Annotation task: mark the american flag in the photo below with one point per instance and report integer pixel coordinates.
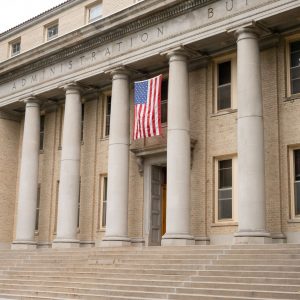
(147, 110)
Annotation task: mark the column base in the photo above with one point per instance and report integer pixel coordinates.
(177, 240)
(252, 237)
(115, 241)
(23, 245)
(278, 238)
(65, 244)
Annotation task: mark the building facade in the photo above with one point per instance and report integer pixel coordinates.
(226, 168)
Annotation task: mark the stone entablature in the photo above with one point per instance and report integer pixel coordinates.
(196, 20)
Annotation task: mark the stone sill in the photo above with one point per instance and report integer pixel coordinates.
(224, 224)
(295, 220)
(224, 112)
(292, 98)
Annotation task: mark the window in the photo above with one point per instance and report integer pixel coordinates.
(42, 132)
(52, 31)
(225, 170)
(78, 205)
(56, 205)
(225, 189)
(37, 211)
(94, 12)
(225, 83)
(164, 101)
(82, 121)
(107, 109)
(103, 202)
(15, 47)
(61, 126)
(295, 67)
(297, 181)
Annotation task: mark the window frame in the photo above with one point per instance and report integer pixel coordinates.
(291, 159)
(102, 178)
(233, 83)
(105, 97)
(11, 45)
(234, 218)
(88, 11)
(49, 26)
(42, 133)
(164, 101)
(288, 41)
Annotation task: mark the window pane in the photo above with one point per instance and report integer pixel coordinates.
(95, 12)
(295, 86)
(37, 214)
(295, 72)
(42, 132)
(15, 48)
(225, 209)
(225, 173)
(297, 164)
(52, 31)
(164, 101)
(164, 89)
(224, 73)
(224, 96)
(297, 198)
(295, 46)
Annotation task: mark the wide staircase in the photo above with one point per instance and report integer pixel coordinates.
(196, 272)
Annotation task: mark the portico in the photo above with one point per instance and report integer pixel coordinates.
(105, 64)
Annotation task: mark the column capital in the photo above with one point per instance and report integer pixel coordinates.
(72, 88)
(120, 72)
(179, 53)
(247, 33)
(31, 100)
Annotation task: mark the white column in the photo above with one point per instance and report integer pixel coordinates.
(178, 154)
(66, 235)
(251, 162)
(28, 180)
(118, 163)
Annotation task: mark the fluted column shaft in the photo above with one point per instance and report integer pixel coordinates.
(28, 180)
(118, 163)
(178, 153)
(66, 235)
(251, 175)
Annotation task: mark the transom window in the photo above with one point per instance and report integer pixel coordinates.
(95, 12)
(52, 31)
(295, 67)
(225, 189)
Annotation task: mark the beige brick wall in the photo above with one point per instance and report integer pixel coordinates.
(9, 157)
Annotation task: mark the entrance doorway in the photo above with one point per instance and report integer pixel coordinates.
(158, 204)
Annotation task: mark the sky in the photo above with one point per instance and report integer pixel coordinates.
(14, 12)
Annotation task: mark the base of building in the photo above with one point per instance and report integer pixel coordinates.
(177, 240)
(65, 244)
(257, 237)
(23, 245)
(115, 241)
(279, 238)
(202, 240)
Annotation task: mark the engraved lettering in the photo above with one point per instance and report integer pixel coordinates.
(229, 5)
(61, 68)
(93, 56)
(107, 52)
(119, 43)
(70, 65)
(144, 37)
(131, 42)
(210, 13)
(160, 31)
(82, 57)
(23, 81)
(246, 2)
(33, 78)
(14, 86)
(52, 70)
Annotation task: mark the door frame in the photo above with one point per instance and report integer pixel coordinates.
(159, 160)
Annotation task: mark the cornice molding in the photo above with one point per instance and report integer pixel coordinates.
(109, 36)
